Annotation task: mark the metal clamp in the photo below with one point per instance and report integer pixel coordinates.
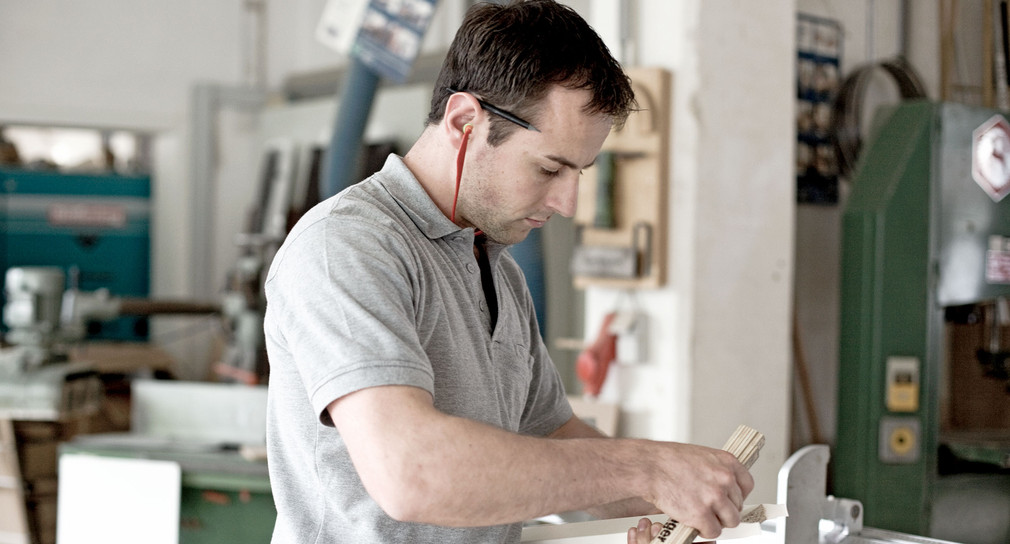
(802, 484)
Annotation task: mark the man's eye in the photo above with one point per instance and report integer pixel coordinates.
(549, 173)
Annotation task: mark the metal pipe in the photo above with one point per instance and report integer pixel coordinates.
(629, 55)
(206, 101)
(340, 167)
(146, 306)
(871, 54)
(906, 29)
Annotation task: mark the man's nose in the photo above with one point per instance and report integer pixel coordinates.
(564, 197)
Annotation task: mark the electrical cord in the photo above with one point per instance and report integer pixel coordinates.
(467, 129)
(847, 110)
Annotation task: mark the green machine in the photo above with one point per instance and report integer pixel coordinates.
(923, 438)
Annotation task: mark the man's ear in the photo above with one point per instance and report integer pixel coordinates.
(460, 109)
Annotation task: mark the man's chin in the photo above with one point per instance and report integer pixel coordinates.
(509, 238)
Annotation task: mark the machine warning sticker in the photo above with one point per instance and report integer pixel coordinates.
(997, 260)
(990, 162)
(86, 215)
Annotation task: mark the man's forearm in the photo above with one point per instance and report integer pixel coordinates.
(452, 471)
(422, 465)
(623, 509)
(577, 428)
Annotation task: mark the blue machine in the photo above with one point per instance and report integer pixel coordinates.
(96, 227)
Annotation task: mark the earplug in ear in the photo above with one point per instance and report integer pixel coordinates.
(467, 128)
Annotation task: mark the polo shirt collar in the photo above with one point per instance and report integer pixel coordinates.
(415, 202)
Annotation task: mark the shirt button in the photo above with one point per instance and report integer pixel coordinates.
(482, 306)
(470, 268)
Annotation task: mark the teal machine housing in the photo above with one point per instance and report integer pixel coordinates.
(95, 227)
(917, 233)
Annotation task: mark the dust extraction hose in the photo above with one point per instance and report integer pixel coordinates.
(847, 111)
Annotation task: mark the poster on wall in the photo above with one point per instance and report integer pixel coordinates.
(818, 44)
(390, 35)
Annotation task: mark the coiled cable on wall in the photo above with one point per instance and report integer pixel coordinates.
(847, 110)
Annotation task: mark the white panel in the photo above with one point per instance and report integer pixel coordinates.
(199, 412)
(117, 501)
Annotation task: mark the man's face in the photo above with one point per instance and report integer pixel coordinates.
(518, 185)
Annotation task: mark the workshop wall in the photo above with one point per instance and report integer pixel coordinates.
(108, 63)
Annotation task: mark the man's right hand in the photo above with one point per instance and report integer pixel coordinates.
(701, 487)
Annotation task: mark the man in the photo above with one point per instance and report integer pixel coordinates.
(411, 397)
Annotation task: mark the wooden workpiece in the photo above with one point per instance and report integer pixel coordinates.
(641, 174)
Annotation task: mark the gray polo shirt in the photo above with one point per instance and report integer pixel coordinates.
(373, 287)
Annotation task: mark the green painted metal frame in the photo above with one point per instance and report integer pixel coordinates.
(912, 201)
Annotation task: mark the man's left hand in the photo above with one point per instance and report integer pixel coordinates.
(644, 532)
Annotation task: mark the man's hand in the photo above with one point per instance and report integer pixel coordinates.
(701, 487)
(644, 532)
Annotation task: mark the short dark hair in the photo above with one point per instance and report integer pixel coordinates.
(510, 56)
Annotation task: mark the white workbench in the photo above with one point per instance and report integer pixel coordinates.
(615, 531)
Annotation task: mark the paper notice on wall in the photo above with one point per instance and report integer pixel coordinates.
(997, 260)
(339, 24)
(391, 34)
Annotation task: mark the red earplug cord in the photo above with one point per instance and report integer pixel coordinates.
(467, 128)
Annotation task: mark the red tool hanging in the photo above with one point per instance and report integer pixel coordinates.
(594, 361)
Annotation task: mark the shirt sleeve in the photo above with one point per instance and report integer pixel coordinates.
(342, 302)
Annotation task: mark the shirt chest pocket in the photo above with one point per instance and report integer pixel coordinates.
(512, 367)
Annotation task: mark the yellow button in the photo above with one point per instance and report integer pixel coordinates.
(902, 440)
(903, 397)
